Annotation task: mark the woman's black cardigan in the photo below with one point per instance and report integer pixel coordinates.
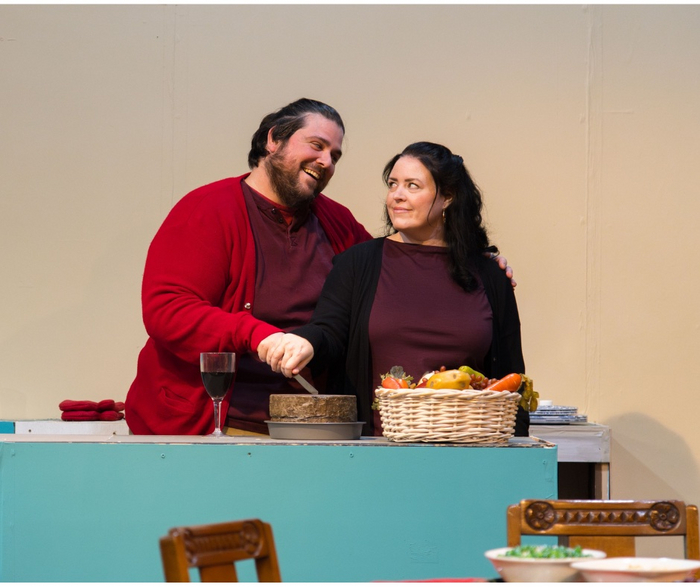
(339, 328)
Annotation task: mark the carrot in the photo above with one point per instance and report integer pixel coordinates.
(510, 382)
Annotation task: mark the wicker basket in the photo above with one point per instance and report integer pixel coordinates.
(447, 415)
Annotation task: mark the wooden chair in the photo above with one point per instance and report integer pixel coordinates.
(214, 549)
(607, 525)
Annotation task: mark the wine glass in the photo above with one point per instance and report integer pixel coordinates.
(217, 371)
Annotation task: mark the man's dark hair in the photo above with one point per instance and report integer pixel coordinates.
(285, 122)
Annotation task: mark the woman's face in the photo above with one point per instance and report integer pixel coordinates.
(413, 209)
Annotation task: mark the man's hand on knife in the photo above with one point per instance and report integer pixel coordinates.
(286, 353)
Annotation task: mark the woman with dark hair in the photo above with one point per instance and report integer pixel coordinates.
(422, 297)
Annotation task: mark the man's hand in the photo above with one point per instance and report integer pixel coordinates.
(268, 344)
(286, 353)
(503, 264)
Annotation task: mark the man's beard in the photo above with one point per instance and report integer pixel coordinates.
(284, 178)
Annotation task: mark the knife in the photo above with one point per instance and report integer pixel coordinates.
(306, 385)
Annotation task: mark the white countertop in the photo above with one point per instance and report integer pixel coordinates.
(578, 443)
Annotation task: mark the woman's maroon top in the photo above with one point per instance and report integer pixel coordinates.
(421, 319)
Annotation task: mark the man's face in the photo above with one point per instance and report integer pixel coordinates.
(302, 167)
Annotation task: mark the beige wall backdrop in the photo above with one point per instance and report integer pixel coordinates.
(579, 123)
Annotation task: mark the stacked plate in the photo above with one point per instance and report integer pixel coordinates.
(556, 415)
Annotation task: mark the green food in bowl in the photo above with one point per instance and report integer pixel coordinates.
(540, 564)
(530, 551)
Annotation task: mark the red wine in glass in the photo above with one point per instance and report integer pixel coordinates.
(217, 371)
(217, 383)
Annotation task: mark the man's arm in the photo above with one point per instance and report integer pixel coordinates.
(195, 284)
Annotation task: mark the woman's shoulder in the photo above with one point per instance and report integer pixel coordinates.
(364, 249)
(490, 271)
(363, 254)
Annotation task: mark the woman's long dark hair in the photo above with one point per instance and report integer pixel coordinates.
(464, 231)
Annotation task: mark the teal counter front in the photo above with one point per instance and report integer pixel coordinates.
(92, 508)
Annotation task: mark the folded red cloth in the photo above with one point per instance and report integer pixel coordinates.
(71, 415)
(110, 415)
(80, 405)
(70, 405)
(105, 404)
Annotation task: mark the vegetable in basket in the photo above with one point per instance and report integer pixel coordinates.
(396, 378)
(521, 383)
(511, 382)
(465, 378)
(449, 379)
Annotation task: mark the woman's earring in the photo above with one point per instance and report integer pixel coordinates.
(443, 214)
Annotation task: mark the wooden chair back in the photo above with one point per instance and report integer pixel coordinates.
(607, 525)
(215, 548)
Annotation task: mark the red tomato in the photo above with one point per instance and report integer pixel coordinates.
(394, 383)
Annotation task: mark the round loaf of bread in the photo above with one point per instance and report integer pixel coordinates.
(313, 408)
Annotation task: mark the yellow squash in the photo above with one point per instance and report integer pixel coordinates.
(452, 379)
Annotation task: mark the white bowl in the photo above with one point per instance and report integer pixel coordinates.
(637, 569)
(545, 570)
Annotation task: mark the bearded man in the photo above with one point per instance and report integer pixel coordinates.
(237, 261)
